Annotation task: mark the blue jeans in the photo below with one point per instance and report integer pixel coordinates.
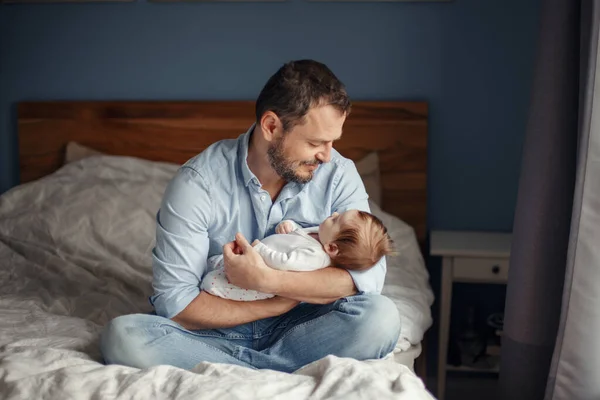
(361, 327)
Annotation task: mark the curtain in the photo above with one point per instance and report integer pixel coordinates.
(552, 314)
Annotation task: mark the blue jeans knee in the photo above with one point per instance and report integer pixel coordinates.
(123, 339)
(375, 324)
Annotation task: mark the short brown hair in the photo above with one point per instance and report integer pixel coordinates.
(361, 245)
(296, 87)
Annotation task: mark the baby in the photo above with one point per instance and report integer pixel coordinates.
(353, 240)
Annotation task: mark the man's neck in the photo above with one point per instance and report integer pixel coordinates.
(258, 162)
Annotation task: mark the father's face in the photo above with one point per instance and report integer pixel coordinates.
(296, 155)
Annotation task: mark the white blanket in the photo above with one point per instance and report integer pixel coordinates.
(75, 252)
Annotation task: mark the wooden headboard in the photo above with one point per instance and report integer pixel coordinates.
(176, 131)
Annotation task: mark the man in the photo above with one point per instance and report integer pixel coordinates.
(284, 167)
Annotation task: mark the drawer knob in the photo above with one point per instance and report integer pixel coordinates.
(496, 269)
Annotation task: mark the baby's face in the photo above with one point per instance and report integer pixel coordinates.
(330, 228)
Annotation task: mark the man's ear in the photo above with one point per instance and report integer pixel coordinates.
(332, 249)
(271, 126)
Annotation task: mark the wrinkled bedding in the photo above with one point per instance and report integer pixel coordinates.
(75, 252)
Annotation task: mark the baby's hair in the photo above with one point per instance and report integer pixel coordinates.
(361, 245)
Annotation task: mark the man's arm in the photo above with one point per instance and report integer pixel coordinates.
(248, 270)
(318, 287)
(180, 257)
(211, 312)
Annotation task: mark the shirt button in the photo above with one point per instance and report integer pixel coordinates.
(263, 197)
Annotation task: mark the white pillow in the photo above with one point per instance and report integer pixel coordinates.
(406, 280)
(75, 152)
(368, 169)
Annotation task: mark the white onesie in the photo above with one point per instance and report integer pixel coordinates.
(295, 251)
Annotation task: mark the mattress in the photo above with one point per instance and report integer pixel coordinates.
(75, 252)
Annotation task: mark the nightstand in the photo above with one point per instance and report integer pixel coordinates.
(472, 257)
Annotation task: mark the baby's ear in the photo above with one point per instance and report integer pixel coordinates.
(332, 249)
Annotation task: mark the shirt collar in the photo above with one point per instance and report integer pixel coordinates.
(244, 144)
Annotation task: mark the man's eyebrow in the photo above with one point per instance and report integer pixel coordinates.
(324, 141)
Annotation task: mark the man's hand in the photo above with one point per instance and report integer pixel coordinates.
(284, 228)
(244, 267)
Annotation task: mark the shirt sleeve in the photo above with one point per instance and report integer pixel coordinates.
(299, 259)
(180, 254)
(349, 194)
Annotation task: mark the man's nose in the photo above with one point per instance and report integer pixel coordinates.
(325, 155)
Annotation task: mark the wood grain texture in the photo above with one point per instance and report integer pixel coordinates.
(174, 131)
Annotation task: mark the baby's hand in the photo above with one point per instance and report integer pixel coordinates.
(284, 228)
(255, 243)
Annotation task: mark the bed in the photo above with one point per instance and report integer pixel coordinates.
(76, 236)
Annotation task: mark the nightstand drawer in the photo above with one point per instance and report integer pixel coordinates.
(476, 269)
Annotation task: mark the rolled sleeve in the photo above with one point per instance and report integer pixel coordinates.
(371, 280)
(350, 194)
(181, 250)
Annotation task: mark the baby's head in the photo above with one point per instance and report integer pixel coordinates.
(355, 239)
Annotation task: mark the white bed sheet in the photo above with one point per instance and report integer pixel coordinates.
(75, 253)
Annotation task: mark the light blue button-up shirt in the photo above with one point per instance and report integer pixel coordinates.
(215, 195)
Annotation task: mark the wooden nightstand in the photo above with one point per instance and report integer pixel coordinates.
(472, 257)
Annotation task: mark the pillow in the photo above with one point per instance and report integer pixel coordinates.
(76, 152)
(368, 169)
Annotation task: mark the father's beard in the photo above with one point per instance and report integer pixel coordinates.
(286, 168)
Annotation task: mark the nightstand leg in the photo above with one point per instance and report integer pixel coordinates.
(445, 306)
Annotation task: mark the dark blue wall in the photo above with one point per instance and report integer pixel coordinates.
(471, 59)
